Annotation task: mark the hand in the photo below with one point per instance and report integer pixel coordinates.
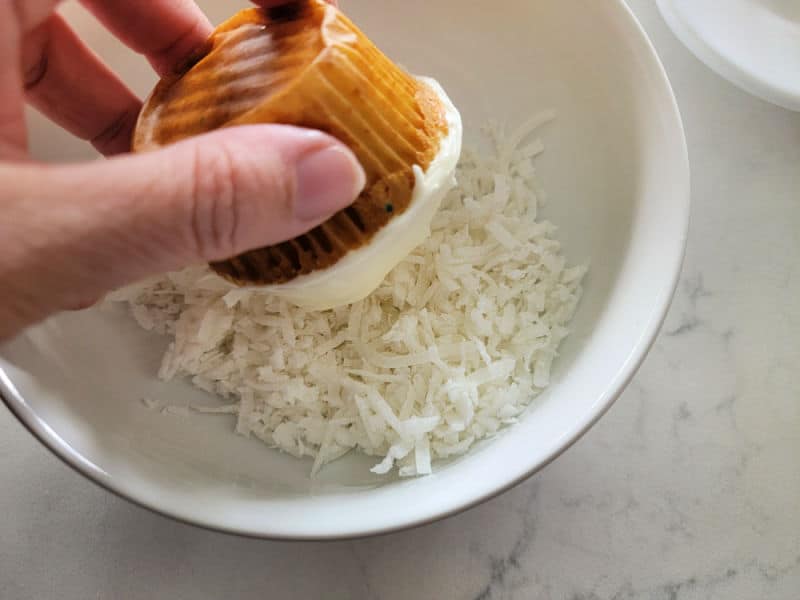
(71, 233)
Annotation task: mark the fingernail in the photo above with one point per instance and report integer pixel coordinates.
(328, 180)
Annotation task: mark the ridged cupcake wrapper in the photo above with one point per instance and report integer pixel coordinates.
(308, 65)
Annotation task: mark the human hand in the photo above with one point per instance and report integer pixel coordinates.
(71, 233)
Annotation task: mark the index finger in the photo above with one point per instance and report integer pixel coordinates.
(167, 32)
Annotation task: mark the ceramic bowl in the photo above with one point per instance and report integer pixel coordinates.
(754, 44)
(617, 176)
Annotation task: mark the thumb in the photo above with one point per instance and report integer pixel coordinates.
(222, 194)
(205, 199)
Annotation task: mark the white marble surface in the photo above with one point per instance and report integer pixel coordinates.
(688, 489)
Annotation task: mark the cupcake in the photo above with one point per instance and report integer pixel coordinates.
(307, 64)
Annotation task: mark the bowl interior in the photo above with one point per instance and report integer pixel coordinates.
(616, 175)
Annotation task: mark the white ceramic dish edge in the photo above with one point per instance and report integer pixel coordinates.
(485, 489)
(752, 84)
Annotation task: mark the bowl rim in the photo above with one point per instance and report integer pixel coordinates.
(755, 84)
(50, 439)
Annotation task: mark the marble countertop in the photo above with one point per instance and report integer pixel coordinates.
(688, 489)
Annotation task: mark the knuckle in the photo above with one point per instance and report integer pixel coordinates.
(35, 71)
(115, 136)
(36, 57)
(214, 206)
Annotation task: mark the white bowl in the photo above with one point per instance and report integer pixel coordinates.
(754, 44)
(617, 174)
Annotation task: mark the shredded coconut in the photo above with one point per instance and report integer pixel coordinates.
(453, 346)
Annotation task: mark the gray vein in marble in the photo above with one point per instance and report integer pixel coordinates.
(694, 290)
(503, 567)
(689, 587)
(362, 564)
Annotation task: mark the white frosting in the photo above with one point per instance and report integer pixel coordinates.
(362, 270)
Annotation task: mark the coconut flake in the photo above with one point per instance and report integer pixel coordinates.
(453, 346)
